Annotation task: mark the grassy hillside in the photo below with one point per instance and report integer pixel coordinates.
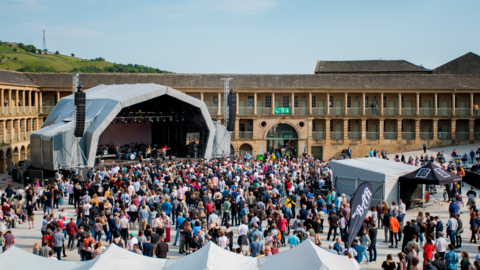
(15, 58)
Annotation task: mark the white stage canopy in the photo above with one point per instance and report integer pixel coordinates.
(382, 174)
(306, 256)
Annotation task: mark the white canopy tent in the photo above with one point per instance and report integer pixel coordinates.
(306, 256)
(380, 173)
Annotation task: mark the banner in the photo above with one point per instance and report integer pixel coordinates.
(360, 204)
(280, 110)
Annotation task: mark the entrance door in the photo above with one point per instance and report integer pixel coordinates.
(444, 109)
(410, 107)
(356, 107)
(391, 107)
(260, 107)
(241, 110)
(317, 152)
(321, 107)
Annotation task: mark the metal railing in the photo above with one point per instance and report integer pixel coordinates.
(372, 135)
(462, 135)
(444, 135)
(462, 111)
(390, 135)
(5, 110)
(390, 111)
(7, 138)
(408, 135)
(246, 110)
(319, 111)
(49, 109)
(372, 111)
(245, 134)
(319, 135)
(336, 135)
(354, 111)
(336, 111)
(354, 135)
(427, 111)
(444, 111)
(408, 111)
(426, 135)
(301, 111)
(264, 111)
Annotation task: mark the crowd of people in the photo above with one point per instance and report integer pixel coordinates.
(249, 207)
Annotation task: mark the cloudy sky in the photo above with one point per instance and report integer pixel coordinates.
(246, 36)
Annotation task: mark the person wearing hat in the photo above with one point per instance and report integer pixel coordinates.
(133, 241)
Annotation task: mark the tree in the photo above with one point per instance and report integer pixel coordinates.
(15, 59)
(73, 55)
(57, 52)
(39, 51)
(15, 49)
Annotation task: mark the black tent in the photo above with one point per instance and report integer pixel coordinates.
(430, 174)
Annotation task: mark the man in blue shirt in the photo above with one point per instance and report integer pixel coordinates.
(256, 246)
(167, 207)
(451, 258)
(293, 240)
(179, 221)
(453, 208)
(359, 251)
(338, 246)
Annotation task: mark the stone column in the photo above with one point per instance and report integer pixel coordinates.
(471, 104)
(346, 103)
(381, 124)
(381, 105)
(453, 106)
(36, 102)
(238, 104)
(417, 130)
(201, 96)
(435, 105)
(23, 102)
(418, 103)
(310, 103)
(435, 129)
(327, 131)
(345, 130)
(18, 129)
(363, 103)
(40, 105)
(237, 128)
(364, 128)
(2, 99)
(471, 124)
(328, 103)
(255, 103)
(16, 101)
(273, 103)
(58, 97)
(220, 103)
(399, 129)
(10, 101)
(453, 129)
(292, 104)
(399, 104)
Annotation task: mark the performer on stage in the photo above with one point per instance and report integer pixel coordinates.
(164, 150)
(117, 152)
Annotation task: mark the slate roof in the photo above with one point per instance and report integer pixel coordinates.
(367, 66)
(14, 77)
(468, 63)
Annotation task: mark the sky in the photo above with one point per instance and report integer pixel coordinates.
(246, 36)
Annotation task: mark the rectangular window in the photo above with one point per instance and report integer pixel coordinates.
(455, 99)
(330, 102)
(249, 124)
(420, 102)
(331, 125)
(314, 101)
(197, 97)
(268, 101)
(366, 102)
(384, 102)
(402, 101)
(215, 101)
(348, 125)
(250, 102)
(438, 101)
(349, 102)
(384, 126)
(54, 99)
(366, 125)
(295, 101)
(313, 125)
(286, 101)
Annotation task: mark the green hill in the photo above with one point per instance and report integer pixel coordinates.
(27, 58)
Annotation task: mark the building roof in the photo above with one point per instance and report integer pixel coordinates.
(468, 63)
(14, 77)
(367, 66)
(245, 81)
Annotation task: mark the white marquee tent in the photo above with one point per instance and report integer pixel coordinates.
(382, 174)
(306, 256)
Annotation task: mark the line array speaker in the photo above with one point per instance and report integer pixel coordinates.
(232, 111)
(80, 98)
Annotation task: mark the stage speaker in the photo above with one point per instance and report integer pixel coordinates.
(232, 111)
(172, 157)
(80, 100)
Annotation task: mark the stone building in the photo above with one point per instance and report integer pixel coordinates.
(377, 104)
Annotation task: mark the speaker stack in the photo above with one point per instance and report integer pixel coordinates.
(232, 111)
(80, 98)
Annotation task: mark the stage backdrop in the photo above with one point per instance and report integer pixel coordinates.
(121, 134)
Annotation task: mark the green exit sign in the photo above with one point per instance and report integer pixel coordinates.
(282, 110)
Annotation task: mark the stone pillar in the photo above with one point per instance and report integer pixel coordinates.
(364, 127)
(10, 101)
(435, 129)
(16, 101)
(453, 129)
(471, 124)
(418, 103)
(435, 105)
(453, 106)
(381, 124)
(346, 103)
(310, 103)
(220, 103)
(273, 103)
(292, 104)
(2, 99)
(417, 130)
(327, 131)
(399, 104)
(18, 129)
(58, 98)
(471, 104)
(40, 105)
(23, 102)
(328, 103)
(255, 103)
(238, 103)
(3, 130)
(36, 101)
(363, 104)
(201, 96)
(399, 129)
(381, 105)
(345, 130)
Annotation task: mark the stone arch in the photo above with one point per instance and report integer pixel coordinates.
(246, 147)
(2, 162)
(16, 155)
(9, 158)
(28, 151)
(267, 129)
(23, 153)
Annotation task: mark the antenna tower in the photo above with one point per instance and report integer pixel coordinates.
(44, 45)
(226, 91)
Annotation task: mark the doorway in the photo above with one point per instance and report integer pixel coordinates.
(282, 137)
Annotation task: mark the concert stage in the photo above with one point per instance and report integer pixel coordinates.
(139, 119)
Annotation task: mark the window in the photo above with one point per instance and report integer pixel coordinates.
(455, 101)
(268, 101)
(349, 102)
(249, 124)
(348, 125)
(384, 126)
(366, 102)
(250, 102)
(366, 125)
(215, 101)
(331, 125)
(330, 102)
(402, 101)
(384, 102)
(197, 96)
(286, 101)
(420, 102)
(314, 101)
(54, 100)
(438, 101)
(313, 125)
(295, 101)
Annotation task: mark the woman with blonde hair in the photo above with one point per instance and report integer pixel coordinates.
(36, 249)
(94, 199)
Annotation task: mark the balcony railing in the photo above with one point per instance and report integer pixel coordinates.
(13, 110)
(462, 135)
(354, 111)
(462, 111)
(336, 135)
(49, 109)
(319, 111)
(27, 135)
(354, 135)
(33, 109)
(264, 111)
(477, 136)
(427, 111)
(22, 136)
(408, 135)
(318, 135)
(336, 111)
(444, 135)
(444, 111)
(372, 135)
(20, 110)
(245, 134)
(390, 135)
(245, 110)
(426, 135)
(408, 111)
(476, 112)
(390, 111)
(7, 138)
(301, 111)
(14, 137)
(372, 111)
